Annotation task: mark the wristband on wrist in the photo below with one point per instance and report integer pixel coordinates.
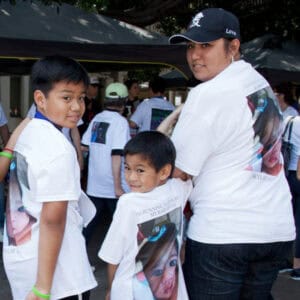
(6, 154)
(8, 150)
(39, 294)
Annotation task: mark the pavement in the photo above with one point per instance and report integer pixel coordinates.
(284, 288)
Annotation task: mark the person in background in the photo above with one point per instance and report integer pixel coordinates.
(105, 139)
(152, 111)
(133, 97)
(287, 104)
(92, 104)
(242, 228)
(4, 134)
(45, 213)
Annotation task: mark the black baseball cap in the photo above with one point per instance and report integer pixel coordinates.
(209, 25)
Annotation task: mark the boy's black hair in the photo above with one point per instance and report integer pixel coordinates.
(157, 85)
(55, 68)
(156, 147)
(130, 82)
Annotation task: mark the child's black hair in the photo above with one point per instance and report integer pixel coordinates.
(156, 147)
(157, 85)
(52, 69)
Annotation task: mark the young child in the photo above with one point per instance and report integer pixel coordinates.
(105, 139)
(44, 251)
(143, 242)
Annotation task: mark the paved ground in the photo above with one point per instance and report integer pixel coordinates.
(284, 287)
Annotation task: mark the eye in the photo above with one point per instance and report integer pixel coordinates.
(173, 263)
(140, 171)
(157, 272)
(81, 98)
(205, 45)
(190, 46)
(67, 98)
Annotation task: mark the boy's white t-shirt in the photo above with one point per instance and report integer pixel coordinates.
(141, 222)
(44, 169)
(233, 200)
(151, 112)
(107, 131)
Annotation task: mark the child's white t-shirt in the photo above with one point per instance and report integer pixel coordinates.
(44, 169)
(146, 227)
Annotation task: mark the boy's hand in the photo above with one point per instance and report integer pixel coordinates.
(119, 192)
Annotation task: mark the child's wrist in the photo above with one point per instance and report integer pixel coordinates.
(41, 293)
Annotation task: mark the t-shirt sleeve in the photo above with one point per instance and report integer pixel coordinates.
(139, 114)
(3, 119)
(120, 135)
(86, 137)
(118, 238)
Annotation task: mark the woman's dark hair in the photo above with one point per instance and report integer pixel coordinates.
(154, 146)
(52, 69)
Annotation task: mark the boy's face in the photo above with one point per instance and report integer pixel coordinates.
(64, 104)
(141, 176)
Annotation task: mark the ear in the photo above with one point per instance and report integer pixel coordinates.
(39, 99)
(235, 47)
(165, 172)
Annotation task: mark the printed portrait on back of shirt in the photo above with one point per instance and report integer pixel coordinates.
(267, 126)
(158, 257)
(18, 221)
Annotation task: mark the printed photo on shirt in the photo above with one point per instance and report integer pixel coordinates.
(267, 126)
(156, 275)
(157, 116)
(18, 221)
(99, 131)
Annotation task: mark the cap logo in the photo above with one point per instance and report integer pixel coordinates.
(230, 31)
(196, 20)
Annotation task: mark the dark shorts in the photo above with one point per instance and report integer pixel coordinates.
(233, 271)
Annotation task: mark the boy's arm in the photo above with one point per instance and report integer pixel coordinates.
(111, 271)
(116, 161)
(52, 226)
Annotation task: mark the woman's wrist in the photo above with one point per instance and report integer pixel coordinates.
(41, 293)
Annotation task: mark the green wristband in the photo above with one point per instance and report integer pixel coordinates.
(39, 294)
(6, 154)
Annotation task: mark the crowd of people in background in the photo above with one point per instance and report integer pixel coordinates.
(146, 163)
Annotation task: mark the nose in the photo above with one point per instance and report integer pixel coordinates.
(195, 52)
(131, 176)
(76, 105)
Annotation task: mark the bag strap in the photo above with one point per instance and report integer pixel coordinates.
(289, 125)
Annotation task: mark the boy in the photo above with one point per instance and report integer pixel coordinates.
(143, 241)
(105, 139)
(44, 251)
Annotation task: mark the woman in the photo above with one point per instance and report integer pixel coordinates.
(236, 210)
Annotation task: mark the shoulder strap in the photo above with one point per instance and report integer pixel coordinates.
(288, 126)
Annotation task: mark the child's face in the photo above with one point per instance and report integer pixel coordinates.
(64, 104)
(141, 176)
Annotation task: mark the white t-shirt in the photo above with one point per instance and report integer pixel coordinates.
(295, 140)
(220, 141)
(107, 131)
(44, 169)
(3, 119)
(151, 112)
(144, 240)
(290, 111)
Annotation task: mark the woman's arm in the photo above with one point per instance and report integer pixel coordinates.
(52, 227)
(5, 161)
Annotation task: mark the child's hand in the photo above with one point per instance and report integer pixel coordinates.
(32, 296)
(107, 296)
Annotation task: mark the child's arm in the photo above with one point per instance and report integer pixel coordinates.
(5, 161)
(111, 271)
(116, 171)
(52, 226)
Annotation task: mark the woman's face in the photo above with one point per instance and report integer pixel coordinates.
(208, 59)
(162, 276)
